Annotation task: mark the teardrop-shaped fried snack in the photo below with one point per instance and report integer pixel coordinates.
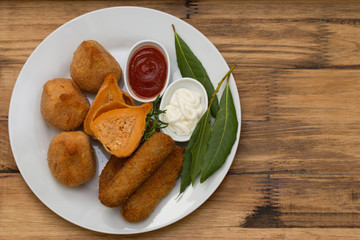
(63, 105)
(109, 92)
(71, 158)
(90, 65)
(120, 130)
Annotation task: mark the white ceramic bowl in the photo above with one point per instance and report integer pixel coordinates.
(190, 84)
(135, 47)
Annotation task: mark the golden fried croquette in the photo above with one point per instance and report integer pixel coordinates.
(111, 168)
(63, 105)
(143, 201)
(71, 158)
(146, 159)
(90, 65)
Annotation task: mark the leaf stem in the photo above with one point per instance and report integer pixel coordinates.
(227, 75)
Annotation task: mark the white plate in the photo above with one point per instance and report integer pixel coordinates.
(117, 29)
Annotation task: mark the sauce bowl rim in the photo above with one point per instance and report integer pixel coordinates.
(135, 47)
(176, 84)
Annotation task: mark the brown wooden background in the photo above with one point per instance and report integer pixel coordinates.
(296, 174)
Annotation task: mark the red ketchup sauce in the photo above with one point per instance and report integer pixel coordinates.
(147, 71)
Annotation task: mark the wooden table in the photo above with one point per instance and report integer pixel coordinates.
(296, 174)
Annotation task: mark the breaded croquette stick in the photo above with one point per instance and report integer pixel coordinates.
(143, 201)
(147, 158)
(109, 171)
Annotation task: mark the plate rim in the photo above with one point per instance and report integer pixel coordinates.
(11, 109)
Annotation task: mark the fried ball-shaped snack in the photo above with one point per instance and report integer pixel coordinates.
(63, 105)
(90, 65)
(71, 158)
(143, 201)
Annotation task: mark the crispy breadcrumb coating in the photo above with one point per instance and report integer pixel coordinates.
(71, 158)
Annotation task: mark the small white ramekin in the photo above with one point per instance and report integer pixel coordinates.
(190, 84)
(135, 47)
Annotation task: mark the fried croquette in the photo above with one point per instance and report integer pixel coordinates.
(63, 105)
(109, 171)
(142, 202)
(90, 65)
(147, 158)
(109, 92)
(71, 158)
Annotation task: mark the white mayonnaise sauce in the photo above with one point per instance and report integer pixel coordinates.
(184, 111)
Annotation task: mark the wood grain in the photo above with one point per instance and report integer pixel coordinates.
(296, 174)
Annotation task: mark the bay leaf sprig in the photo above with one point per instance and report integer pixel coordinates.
(190, 66)
(204, 139)
(222, 136)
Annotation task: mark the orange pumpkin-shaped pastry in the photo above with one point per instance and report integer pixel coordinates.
(121, 130)
(109, 92)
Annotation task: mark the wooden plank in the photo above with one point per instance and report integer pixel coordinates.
(297, 165)
(270, 44)
(254, 106)
(318, 200)
(313, 124)
(60, 12)
(280, 36)
(296, 204)
(343, 44)
(7, 163)
(230, 203)
(311, 9)
(300, 200)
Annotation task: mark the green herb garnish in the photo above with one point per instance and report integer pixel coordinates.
(153, 123)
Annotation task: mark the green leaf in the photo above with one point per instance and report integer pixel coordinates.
(190, 66)
(199, 149)
(194, 152)
(223, 135)
(186, 167)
